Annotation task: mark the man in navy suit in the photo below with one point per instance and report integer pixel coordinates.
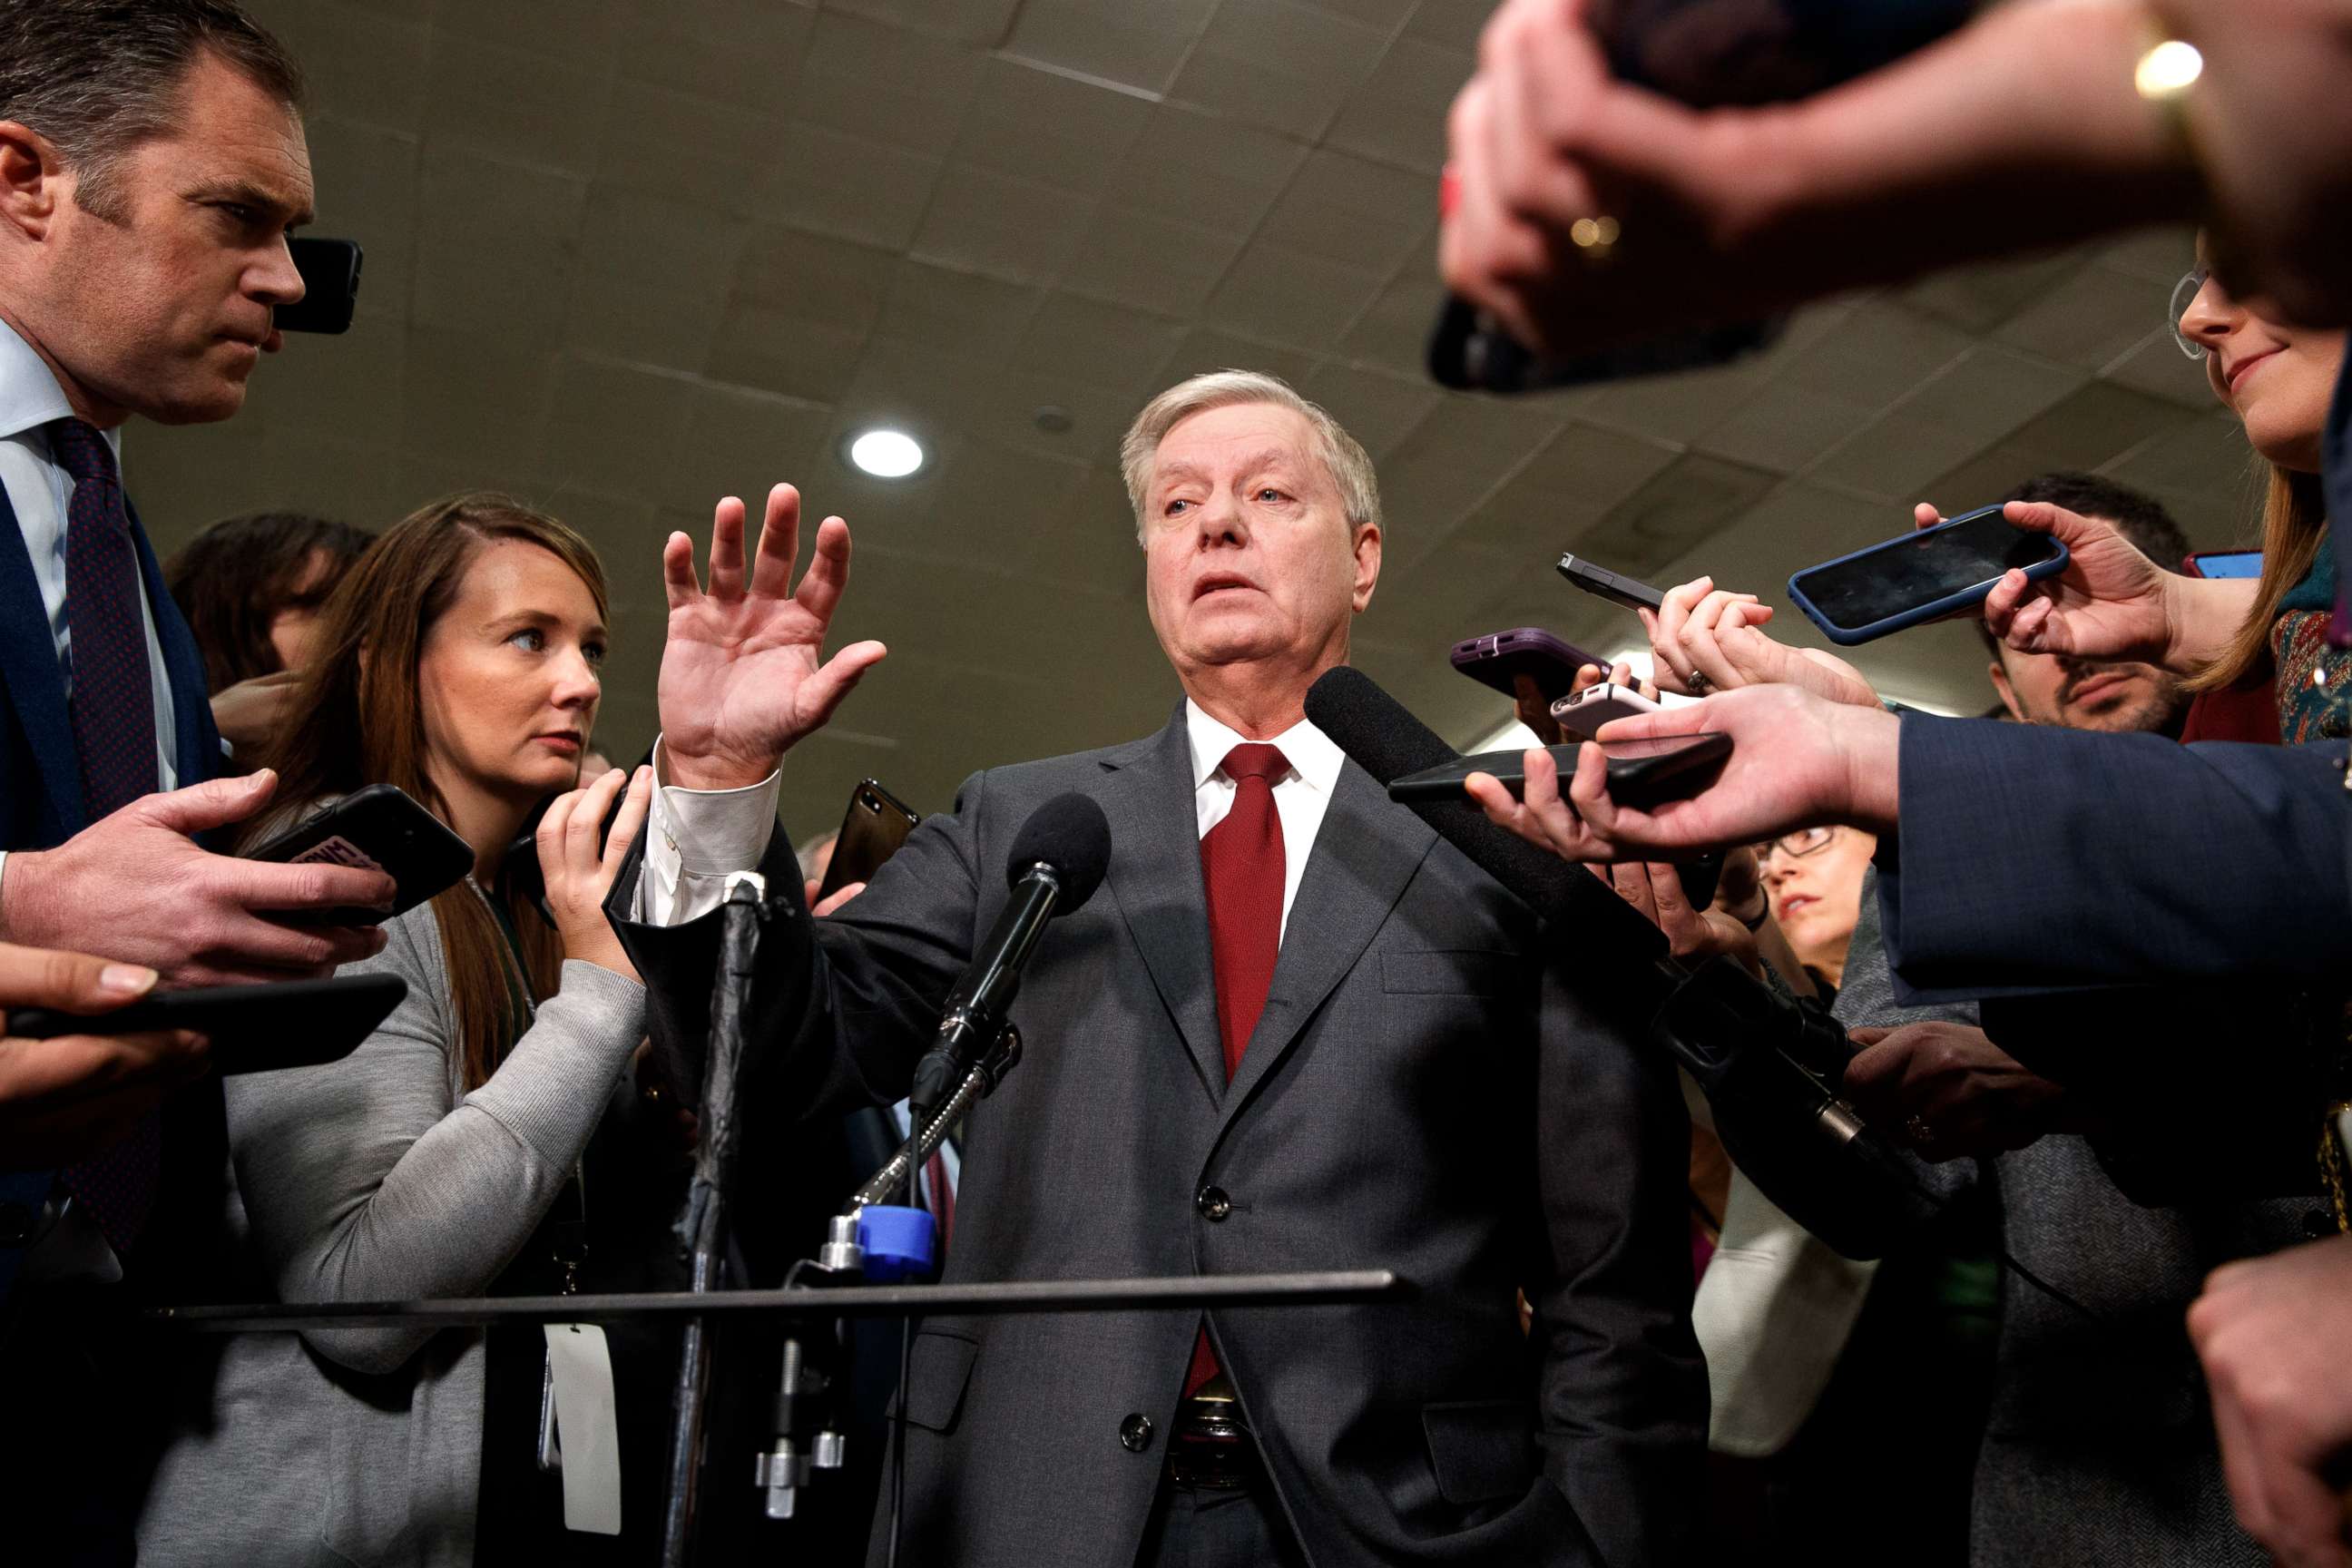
(151, 163)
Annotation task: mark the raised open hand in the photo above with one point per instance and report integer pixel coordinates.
(743, 676)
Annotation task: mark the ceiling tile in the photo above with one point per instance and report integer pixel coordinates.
(736, 51)
(981, 24)
(2090, 427)
(497, 244)
(1346, 209)
(1283, 296)
(1691, 499)
(954, 313)
(1278, 63)
(1150, 262)
(1574, 483)
(621, 318)
(686, 146)
(829, 182)
(1382, 14)
(1209, 172)
(1456, 24)
(740, 443)
(1987, 393)
(362, 64)
(1981, 296)
(1007, 228)
(1040, 125)
(1089, 538)
(579, 32)
(347, 386)
(776, 351)
(809, 277)
(660, 242)
(987, 503)
(1394, 333)
(886, 84)
(1876, 355)
(1098, 344)
(612, 427)
(2157, 256)
(1375, 407)
(512, 104)
(1138, 45)
(2091, 320)
(2159, 368)
(474, 398)
(1783, 432)
(1399, 115)
(1465, 450)
(2207, 476)
(1677, 408)
(1210, 350)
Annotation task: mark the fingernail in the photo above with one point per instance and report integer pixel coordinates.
(131, 979)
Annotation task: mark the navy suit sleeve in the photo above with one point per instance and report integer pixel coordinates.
(2034, 859)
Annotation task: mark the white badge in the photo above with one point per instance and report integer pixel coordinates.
(588, 1433)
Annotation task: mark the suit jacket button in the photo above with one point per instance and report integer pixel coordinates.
(1134, 1432)
(1212, 1203)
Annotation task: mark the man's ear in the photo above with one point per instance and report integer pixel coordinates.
(2007, 693)
(1367, 564)
(32, 180)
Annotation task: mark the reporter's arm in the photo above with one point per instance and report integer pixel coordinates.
(2031, 858)
(371, 1178)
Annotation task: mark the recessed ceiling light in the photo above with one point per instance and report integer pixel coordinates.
(886, 454)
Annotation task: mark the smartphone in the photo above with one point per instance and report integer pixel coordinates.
(331, 285)
(1642, 774)
(1499, 658)
(378, 828)
(1580, 716)
(253, 1028)
(2225, 563)
(1923, 576)
(872, 828)
(1613, 586)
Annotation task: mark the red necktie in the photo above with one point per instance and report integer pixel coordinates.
(113, 712)
(1242, 866)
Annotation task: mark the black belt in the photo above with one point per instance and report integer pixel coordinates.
(1211, 1449)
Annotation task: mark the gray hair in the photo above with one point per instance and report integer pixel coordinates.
(98, 76)
(1351, 465)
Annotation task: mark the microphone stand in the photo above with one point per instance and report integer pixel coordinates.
(701, 1228)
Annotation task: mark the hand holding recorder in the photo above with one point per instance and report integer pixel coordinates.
(136, 885)
(67, 1098)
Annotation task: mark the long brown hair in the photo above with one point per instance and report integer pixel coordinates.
(356, 720)
(2295, 521)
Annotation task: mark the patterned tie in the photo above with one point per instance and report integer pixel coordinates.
(113, 709)
(1242, 865)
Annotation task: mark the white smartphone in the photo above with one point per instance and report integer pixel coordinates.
(1582, 715)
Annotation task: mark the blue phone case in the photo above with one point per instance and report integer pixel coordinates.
(1846, 637)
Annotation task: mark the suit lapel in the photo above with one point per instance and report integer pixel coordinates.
(1364, 854)
(1155, 876)
(37, 687)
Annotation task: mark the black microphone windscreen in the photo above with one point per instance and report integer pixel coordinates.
(1070, 834)
(1384, 738)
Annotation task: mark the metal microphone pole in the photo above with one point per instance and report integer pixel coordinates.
(701, 1228)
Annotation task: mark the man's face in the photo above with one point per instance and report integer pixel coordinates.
(163, 307)
(2088, 693)
(1249, 557)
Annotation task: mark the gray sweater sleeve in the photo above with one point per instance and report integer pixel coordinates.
(370, 1178)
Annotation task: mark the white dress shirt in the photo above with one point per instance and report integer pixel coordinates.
(695, 838)
(39, 491)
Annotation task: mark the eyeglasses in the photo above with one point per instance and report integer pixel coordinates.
(1804, 841)
(2184, 294)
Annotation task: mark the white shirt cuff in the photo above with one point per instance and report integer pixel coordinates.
(695, 838)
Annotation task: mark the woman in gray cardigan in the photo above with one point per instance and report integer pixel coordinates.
(425, 1163)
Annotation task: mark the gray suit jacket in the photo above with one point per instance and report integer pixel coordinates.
(1425, 1091)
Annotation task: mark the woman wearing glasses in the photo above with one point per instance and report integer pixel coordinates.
(1814, 878)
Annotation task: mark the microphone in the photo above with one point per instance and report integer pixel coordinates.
(1769, 1068)
(1058, 860)
(1385, 740)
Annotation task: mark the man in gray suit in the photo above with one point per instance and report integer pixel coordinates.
(1294, 1031)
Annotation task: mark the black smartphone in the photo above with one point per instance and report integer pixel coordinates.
(872, 828)
(1924, 575)
(378, 828)
(1499, 658)
(330, 284)
(1642, 774)
(1613, 586)
(253, 1028)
